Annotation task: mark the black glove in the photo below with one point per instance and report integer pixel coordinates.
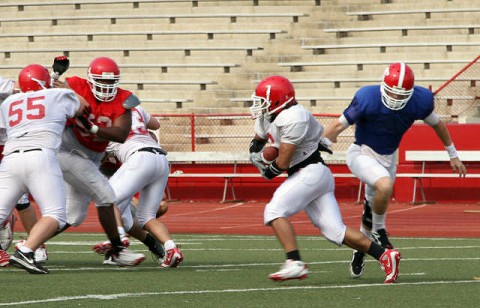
(60, 65)
(256, 146)
(84, 123)
(324, 145)
(272, 171)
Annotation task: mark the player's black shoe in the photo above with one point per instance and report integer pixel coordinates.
(357, 264)
(380, 237)
(27, 262)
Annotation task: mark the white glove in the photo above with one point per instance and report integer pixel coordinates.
(256, 160)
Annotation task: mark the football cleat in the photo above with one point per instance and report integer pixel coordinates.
(41, 254)
(108, 260)
(291, 269)
(390, 261)
(173, 258)
(357, 264)
(127, 257)
(4, 258)
(102, 247)
(380, 237)
(27, 262)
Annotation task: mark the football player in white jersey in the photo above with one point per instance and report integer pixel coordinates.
(145, 170)
(34, 121)
(26, 212)
(310, 185)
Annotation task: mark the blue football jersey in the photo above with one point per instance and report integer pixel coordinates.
(379, 127)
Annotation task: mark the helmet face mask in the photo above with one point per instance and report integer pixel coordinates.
(397, 86)
(271, 96)
(103, 77)
(34, 77)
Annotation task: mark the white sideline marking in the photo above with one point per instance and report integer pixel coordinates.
(209, 211)
(125, 295)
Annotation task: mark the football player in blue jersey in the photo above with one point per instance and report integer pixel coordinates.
(382, 114)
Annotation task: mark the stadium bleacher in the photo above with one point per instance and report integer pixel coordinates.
(187, 56)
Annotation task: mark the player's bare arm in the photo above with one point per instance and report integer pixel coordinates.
(285, 154)
(83, 106)
(119, 130)
(442, 132)
(333, 130)
(153, 123)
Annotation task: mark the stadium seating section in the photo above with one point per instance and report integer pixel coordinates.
(205, 56)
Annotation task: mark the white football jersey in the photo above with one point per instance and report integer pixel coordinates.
(297, 126)
(37, 119)
(6, 88)
(139, 136)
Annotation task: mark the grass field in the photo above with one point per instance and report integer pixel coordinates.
(231, 271)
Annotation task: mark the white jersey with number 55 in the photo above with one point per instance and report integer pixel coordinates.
(37, 119)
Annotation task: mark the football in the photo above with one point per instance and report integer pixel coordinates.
(269, 154)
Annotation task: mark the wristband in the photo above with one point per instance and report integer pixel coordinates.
(452, 152)
(94, 129)
(272, 171)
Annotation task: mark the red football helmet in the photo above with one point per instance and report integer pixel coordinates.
(272, 95)
(34, 77)
(397, 85)
(103, 76)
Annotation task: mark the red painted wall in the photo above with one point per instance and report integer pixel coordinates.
(419, 137)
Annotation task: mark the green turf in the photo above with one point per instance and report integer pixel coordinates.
(231, 271)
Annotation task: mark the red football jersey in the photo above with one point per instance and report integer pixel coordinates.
(103, 113)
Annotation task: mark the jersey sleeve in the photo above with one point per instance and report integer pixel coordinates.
(293, 133)
(261, 126)
(6, 88)
(353, 112)
(71, 103)
(145, 115)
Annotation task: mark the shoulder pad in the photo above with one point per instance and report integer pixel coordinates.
(131, 102)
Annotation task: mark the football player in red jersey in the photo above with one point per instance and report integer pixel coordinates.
(83, 146)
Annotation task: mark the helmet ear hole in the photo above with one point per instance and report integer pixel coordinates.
(34, 77)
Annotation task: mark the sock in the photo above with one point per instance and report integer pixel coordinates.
(25, 249)
(294, 255)
(116, 244)
(376, 250)
(149, 241)
(121, 232)
(378, 221)
(170, 244)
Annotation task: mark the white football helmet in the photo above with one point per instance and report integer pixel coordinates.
(397, 86)
(103, 77)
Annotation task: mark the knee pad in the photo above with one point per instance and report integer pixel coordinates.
(367, 215)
